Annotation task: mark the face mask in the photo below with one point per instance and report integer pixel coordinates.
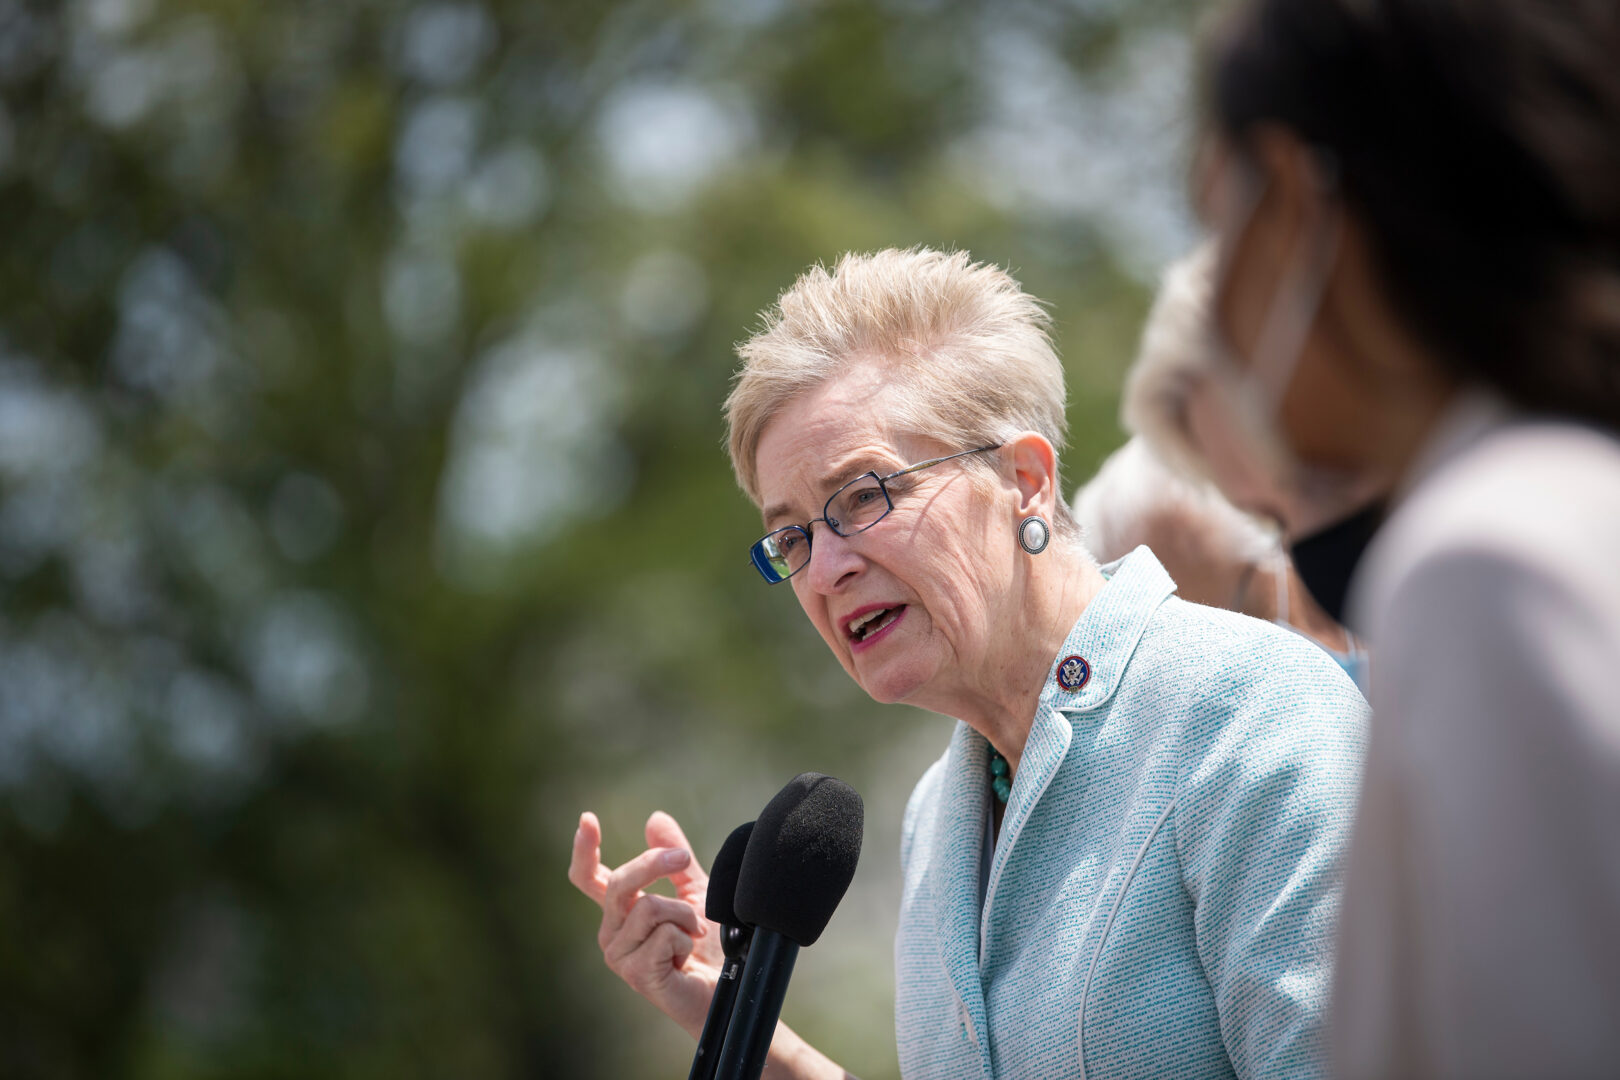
(1253, 393)
(1326, 560)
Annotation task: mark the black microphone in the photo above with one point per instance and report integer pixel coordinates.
(734, 938)
(798, 863)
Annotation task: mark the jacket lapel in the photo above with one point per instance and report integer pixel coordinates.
(953, 871)
(1043, 755)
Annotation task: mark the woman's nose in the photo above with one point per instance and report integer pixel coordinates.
(833, 562)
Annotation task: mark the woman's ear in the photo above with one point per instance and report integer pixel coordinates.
(1034, 465)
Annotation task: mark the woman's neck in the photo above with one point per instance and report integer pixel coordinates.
(1395, 388)
(1000, 702)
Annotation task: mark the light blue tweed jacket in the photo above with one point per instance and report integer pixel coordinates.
(1162, 897)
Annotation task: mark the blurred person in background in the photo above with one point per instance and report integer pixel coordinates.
(1182, 400)
(1127, 861)
(1417, 204)
(1215, 553)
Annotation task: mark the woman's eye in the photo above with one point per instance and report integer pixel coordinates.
(787, 542)
(867, 495)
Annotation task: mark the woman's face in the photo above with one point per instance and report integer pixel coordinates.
(1290, 302)
(938, 571)
(1282, 241)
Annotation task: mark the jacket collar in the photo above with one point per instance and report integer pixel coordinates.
(1472, 415)
(1106, 634)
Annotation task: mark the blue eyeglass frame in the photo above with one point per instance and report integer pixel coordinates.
(761, 561)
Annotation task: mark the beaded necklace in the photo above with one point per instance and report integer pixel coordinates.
(1000, 776)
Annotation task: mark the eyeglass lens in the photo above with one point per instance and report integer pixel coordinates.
(856, 506)
(782, 554)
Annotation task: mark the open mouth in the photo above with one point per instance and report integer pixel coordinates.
(868, 624)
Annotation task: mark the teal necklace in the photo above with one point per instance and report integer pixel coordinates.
(1000, 776)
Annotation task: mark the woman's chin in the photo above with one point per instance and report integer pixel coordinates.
(891, 684)
(882, 697)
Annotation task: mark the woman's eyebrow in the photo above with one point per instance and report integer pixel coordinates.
(774, 513)
(840, 475)
(832, 480)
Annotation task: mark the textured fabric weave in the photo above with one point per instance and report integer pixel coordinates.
(1163, 895)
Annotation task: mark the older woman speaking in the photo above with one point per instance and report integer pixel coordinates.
(1127, 861)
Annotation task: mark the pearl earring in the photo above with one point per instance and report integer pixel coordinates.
(1034, 534)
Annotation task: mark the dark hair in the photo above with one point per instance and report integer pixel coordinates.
(1478, 144)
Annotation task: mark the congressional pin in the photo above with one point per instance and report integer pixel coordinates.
(1073, 673)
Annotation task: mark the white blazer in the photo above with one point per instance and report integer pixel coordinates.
(1482, 908)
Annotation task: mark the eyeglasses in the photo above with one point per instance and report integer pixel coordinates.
(853, 508)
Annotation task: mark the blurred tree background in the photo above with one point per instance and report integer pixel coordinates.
(363, 514)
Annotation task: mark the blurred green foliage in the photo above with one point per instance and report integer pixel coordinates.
(363, 515)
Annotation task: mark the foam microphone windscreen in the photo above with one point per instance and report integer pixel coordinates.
(719, 904)
(801, 857)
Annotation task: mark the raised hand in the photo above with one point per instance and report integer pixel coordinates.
(663, 947)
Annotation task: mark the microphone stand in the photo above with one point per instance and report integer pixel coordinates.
(734, 941)
(760, 994)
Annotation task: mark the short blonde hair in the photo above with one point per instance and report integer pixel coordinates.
(970, 349)
(1135, 485)
(1176, 353)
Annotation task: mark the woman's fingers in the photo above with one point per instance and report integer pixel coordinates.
(659, 945)
(585, 869)
(664, 831)
(677, 942)
(656, 970)
(624, 885)
(649, 914)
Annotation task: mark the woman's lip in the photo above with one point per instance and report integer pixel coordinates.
(857, 613)
(878, 635)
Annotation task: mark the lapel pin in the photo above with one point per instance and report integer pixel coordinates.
(1073, 673)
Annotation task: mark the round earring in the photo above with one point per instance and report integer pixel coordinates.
(1034, 534)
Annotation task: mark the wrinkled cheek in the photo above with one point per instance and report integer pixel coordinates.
(952, 623)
